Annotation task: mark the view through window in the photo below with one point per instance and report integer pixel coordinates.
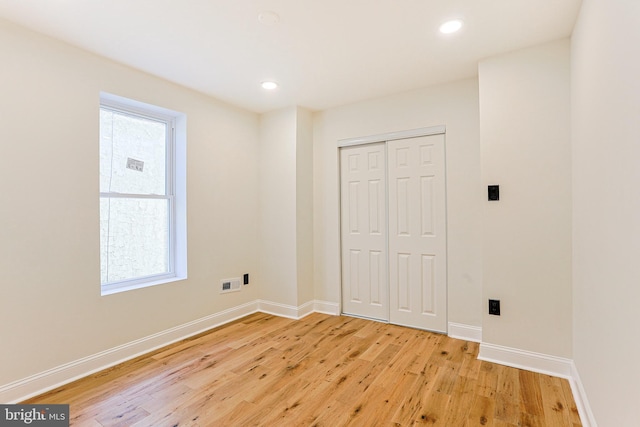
(136, 196)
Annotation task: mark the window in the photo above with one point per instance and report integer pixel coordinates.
(141, 210)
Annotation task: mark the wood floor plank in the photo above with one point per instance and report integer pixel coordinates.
(335, 413)
(462, 399)
(556, 409)
(568, 396)
(481, 413)
(488, 379)
(528, 420)
(530, 394)
(507, 395)
(422, 389)
(395, 402)
(322, 370)
(506, 410)
(508, 384)
(470, 366)
(432, 410)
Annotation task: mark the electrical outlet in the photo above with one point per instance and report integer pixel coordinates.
(494, 307)
(494, 192)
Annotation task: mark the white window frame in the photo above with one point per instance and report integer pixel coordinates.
(175, 192)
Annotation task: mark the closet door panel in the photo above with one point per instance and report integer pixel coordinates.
(365, 285)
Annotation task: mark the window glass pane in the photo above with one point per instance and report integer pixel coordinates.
(133, 238)
(132, 154)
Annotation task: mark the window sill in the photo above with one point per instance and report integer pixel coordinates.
(133, 286)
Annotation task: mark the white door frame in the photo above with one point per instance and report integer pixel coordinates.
(384, 137)
(373, 139)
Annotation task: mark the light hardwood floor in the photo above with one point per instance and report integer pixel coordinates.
(318, 371)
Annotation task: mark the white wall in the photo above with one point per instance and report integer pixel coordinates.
(454, 105)
(606, 213)
(52, 312)
(286, 232)
(304, 204)
(277, 177)
(526, 149)
(249, 204)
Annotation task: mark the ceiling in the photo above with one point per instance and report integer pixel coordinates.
(322, 53)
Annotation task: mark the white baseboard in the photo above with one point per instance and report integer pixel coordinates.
(278, 309)
(528, 360)
(293, 312)
(326, 307)
(33, 385)
(39, 383)
(580, 396)
(306, 309)
(544, 364)
(465, 332)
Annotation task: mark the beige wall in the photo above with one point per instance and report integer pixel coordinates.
(260, 187)
(526, 149)
(304, 204)
(52, 312)
(606, 214)
(454, 105)
(285, 187)
(277, 195)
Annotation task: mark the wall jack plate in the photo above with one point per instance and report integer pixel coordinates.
(230, 285)
(494, 192)
(494, 307)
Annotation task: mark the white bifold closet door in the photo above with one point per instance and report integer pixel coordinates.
(394, 232)
(417, 233)
(365, 286)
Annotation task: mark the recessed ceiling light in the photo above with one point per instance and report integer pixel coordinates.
(451, 26)
(268, 18)
(269, 85)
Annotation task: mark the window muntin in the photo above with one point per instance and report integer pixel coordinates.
(137, 200)
(125, 136)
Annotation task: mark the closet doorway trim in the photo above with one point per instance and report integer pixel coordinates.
(412, 133)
